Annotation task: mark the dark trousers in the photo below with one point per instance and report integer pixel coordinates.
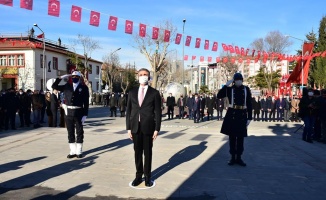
(256, 115)
(272, 115)
(142, 145)
(24, 118)
(54, 117)
(181, 111)
(202, 115)
(309, 122)
(42, 115)
(210, 115)
(170, 111)
(10, 116)
(219, 114)
(236, 145)
(264, 115)
(113, 110)
(122, 113)
(73, 123)
(190, 116)
(196, 115)
(280, 113)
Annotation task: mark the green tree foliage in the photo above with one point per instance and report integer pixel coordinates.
(204, 89)
(260, 80)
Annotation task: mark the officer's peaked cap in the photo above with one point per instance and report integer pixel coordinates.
(76, 73)
(237, 76)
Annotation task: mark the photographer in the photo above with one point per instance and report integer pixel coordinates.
(308, 112)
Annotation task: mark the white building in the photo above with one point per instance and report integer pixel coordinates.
(21, 63)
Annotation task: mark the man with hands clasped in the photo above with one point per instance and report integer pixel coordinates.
(76, 103)
(238, 116)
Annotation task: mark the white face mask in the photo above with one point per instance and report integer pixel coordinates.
(20, 92)
(143, 79)
(122, 95)
(310, 94)
(238, 82)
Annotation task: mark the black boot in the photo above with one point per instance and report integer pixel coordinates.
(240, 162)
(232, 161)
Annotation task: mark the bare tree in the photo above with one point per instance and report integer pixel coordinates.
(88, 45)
(111, 69)
(155, 51)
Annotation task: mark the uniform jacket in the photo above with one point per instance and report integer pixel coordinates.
(235, 120)
(79, 97)
(149, 112)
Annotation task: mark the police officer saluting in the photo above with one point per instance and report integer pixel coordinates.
(76, 100)
(238, 116)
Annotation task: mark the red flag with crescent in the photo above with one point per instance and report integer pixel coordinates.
(209, 59)
(6, 2)
(155, 33)
(237, 50)
(218, 59)
(193, 57)
(113, 22)
(242, 51)
(142, 30)
(94, 19)
(186, 57)
(225, 60)
(231, 49)
(178, 38)
(197, 43)
(188, 40)
(202, 59)
(129, 27)
(206, 46)
(75, 13)
(26, 4)
(215, 46)
(247, 51)
(54, 8)
(225, 47)
(167, 36)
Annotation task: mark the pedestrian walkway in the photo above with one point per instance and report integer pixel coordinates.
(189, 162)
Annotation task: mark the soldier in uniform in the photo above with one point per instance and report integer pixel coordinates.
(238, 116)
(76, 99)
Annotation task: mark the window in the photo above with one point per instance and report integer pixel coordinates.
(20, 60)
(3, 60)
(55, 63)
(41, 60)
(11, 60)
(97, 70)
(97, 85)
(90, 69)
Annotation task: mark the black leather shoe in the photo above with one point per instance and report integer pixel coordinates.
(79, 155)
(148, 182)
(231, 162)
(136, 182)
(241, 163)
(71, 156)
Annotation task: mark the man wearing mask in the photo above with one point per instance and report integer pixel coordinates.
(264, 108)
(280, 106)
(202, 106)
(219, 108)
(76, 99)
(170, 103)
(238, 116)
(181, 105)
(113, 103)
(11, 103)
(190, 101)
(143, 122)
(122, 105)
(210, 102)
(24, 105)
(271, 105)
(196, 108)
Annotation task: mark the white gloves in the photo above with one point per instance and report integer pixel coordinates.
(229, 82)
(83, 119)
(65, 77)
(248, 122)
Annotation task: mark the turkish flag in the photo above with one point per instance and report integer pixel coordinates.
(113, 23)
(218, 59)
(142, 30)
(167, 36)
(186, 57)
(225, 47)
(40, 36)
(258, 56)
(193, 57)
(129, 27)
(27, 4)
(209, 59)
(54, 8)
(6, 2)
(188, 40)
(197, 43)
(202, 59)
(206, 46)
(232, 60)
(215, 46)
(178, 38)
(323, 54)
(155, 33)
(256, 60)
(247, 51)
(94, 18)
(242, 51)
(237, 50)
(231, 49)
(240, 60)
(75, 13)
(225, 60)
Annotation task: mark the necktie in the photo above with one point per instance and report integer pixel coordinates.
(141, 98)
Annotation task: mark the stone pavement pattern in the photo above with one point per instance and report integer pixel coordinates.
(189, 162)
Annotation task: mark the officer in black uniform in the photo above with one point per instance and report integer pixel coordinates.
(238, 116)
(76, 103)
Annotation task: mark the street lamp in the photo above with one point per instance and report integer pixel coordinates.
(183, 51)
(43, 57)
(301, 58)
(100, 73)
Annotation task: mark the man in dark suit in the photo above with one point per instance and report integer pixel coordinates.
(196, 108)
(76, 103)
(190, 102)
(170, 103)
(280, 106)
(202, 106)
(264, 108)
(210, 104)
(219, 108)
(55, 105)
(271, 104)
(143, 122)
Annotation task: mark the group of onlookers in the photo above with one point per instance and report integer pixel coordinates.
(31, 106)
(115, 101)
